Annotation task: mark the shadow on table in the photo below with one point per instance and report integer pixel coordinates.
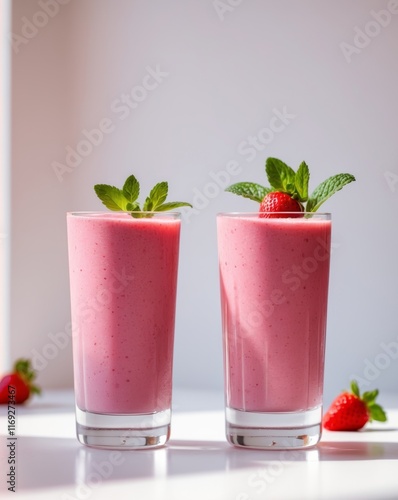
(334, 450)
(51, 462)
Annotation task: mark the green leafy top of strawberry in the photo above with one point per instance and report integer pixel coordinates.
(283, 178)
(375, 411)
(125, 199)
(23, 367)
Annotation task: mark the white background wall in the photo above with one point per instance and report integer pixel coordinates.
(5, 61)
(226, 67)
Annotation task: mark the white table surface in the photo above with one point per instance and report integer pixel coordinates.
(197, 463)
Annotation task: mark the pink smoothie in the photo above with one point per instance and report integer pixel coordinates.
(274, 287)
(123, 278)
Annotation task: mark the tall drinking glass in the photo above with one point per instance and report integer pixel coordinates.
(274, 275)
(123, 279)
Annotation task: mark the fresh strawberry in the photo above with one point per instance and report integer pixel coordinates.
(277, 202)
(19, 380)
(350, 412)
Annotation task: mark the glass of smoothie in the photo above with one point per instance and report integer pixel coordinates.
(274, 275)
(123, 279)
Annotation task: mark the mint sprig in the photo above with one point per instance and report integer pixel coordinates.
(283, 178)
(125, 199)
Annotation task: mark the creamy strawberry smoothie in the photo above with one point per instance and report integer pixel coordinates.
(274, 286)
(123, 277)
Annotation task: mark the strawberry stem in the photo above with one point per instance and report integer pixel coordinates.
(375, 411)
(355, 388)
(25, 370)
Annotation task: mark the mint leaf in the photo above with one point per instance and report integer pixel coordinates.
(280, 176)
(133, 207)
(156, 197)
(112, 197)
(249, 190)
(326, 189)
(370, 396)
(172, 205)
(131, 189)
(159, 193)
(301, 181)
(377, 413)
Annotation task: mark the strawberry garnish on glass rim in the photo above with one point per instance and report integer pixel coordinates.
(288, 191)
(278, 204)
(350, 411)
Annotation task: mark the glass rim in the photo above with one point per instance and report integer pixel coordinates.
(121, 214)
(276, 215)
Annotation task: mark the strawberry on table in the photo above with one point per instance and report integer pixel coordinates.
(350, 412)
(19, 380)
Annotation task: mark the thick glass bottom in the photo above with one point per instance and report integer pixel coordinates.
(130, 432)
(274, 431)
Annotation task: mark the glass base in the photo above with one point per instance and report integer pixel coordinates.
(274, 431)
(130, 432)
